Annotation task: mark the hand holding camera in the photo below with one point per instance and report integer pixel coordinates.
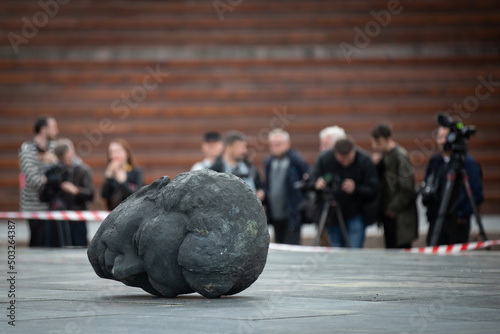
(320, 183)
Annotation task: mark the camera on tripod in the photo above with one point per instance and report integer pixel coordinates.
(333, 183)
(456, 179)
(456, 143)
(456, 140)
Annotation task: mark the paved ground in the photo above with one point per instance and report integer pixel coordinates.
(369, 291)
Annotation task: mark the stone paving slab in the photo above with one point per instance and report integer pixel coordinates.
(368, 291)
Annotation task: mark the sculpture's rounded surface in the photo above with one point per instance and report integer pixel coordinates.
(202, 232)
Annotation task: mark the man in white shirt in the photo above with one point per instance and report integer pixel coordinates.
(212, 147)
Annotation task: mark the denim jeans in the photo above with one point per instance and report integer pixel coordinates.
(355, 232)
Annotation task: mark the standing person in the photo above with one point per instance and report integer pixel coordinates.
(327, 139)
(355, 188)
(233, 160)
(283, 169)
(456, 227)
(398, 206)
(211, 147)
(34, 158)
(122, 178)
(69, 186)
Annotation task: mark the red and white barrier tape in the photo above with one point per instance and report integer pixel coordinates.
(56, 215)
(101, 215)
(445, 249)
(453, 249)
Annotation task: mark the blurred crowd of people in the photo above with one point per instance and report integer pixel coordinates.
(53, 177)
(346, 190)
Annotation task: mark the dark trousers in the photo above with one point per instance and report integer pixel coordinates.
(283, 234)
(50, 233)
(391, 233)
(37, 232)
(78, 233)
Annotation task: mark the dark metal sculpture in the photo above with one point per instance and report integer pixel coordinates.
(202, 232)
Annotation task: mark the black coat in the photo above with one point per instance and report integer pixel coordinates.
(365, 199)
(114, 193)
(78, 174)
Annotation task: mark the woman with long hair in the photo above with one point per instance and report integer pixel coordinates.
(122, 178)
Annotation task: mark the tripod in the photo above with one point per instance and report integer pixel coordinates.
(330, 201)
(457, 171)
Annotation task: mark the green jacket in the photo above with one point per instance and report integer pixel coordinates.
(398, 193)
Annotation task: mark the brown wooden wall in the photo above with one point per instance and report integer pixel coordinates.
(266, 64)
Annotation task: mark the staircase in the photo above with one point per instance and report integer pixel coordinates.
(161, 73)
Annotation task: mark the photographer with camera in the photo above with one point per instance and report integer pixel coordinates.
(234, 160)
(351, 178)
(456, 225)
(69, 186)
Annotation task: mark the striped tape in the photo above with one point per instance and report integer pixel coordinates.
(453, 249)
(445, 249)
(56, 215)
(101, 215)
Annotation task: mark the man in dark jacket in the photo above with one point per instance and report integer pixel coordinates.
(283, 169)
(69, 186)
(399, 210)
(351, 176)
(233, 160)
(456, 225)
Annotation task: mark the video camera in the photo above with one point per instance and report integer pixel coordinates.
(456, 141)
(333, 183)
(54, 175)
(52, 188)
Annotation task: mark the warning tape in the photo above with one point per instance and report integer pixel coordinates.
(101, 215)
(445, 249)
(56, 215)
(453, 249)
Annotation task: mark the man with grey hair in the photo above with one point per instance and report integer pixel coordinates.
(68, 186)
(329, 136)
(283, 169)
(327, 139)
